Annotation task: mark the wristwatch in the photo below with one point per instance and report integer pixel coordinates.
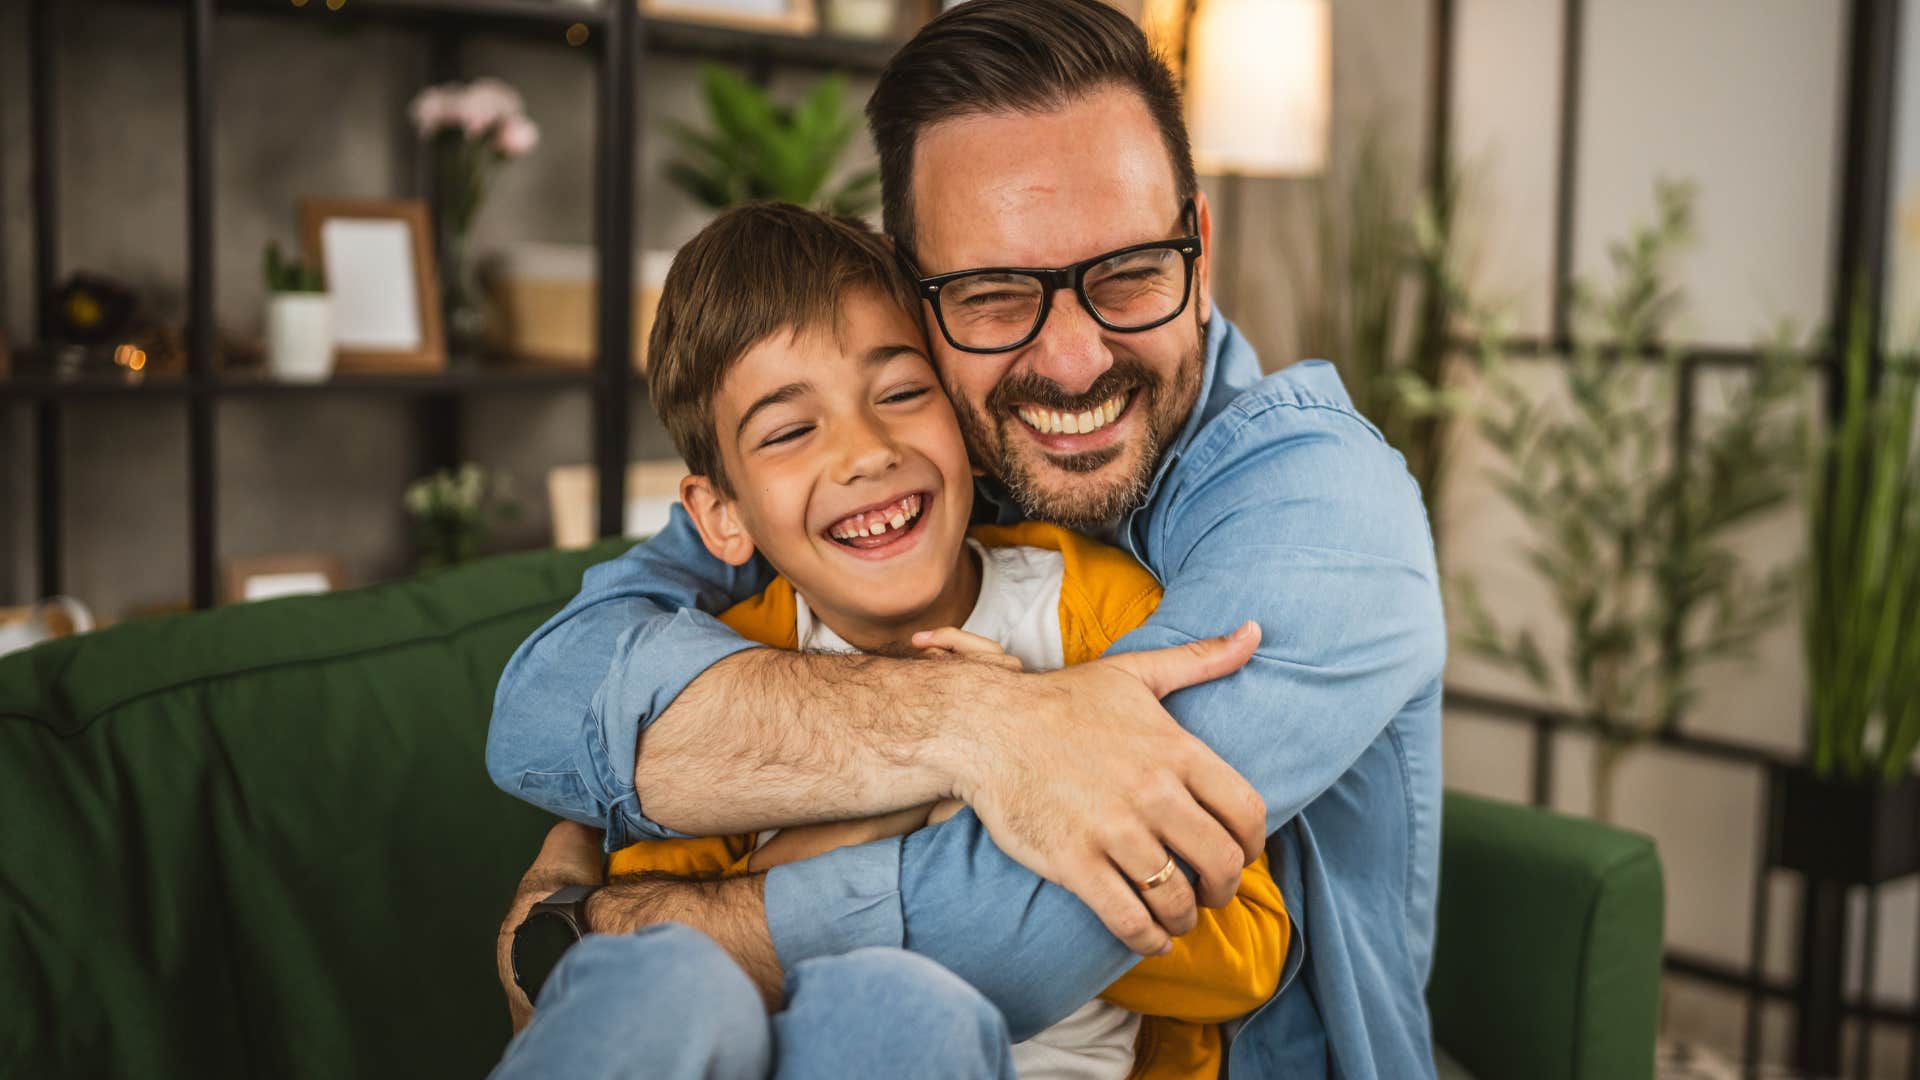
(546, 933)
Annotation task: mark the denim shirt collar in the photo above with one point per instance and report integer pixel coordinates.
(1228, 366)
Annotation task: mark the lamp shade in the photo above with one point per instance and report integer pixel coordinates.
(1260, 86)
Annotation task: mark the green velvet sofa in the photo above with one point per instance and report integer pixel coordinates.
(261, 841)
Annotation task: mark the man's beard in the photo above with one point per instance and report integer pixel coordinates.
(1162, 403)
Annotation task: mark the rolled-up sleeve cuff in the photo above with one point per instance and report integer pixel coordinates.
(653, 664)
(837, 902)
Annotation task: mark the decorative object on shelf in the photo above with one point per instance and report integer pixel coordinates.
(871, 20)
(548, 298)
(763, 150)
(272, 576)
(454, 511)
(784, 16)
(474, 129)
(1373, 283)
(57, 617)
(1635, 541)
(1861, 619)
(91, 309)
(299, 320)
(378, 261)
(653, 487)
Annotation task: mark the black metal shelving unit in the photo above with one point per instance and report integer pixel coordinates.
(1861, 219)
(617, 37)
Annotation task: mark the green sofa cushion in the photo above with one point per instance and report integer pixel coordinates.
(261, 841)
(1549, 936)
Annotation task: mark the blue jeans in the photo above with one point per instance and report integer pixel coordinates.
(667, 1003)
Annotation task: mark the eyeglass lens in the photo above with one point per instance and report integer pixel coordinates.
(1132, 290)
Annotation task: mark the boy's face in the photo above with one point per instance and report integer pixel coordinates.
(835, 432)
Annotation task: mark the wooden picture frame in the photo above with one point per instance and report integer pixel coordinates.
(783, 16)
(386, 316)
(573, 497)
(269, 576)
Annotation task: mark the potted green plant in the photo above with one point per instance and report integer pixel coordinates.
(454, 511)
(1849, 814)
(1633, 538)
(299, 320)
(761, 149)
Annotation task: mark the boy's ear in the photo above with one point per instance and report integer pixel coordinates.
(717, 519)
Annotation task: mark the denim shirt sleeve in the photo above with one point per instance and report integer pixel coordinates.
(1299, 517)
(574, 698)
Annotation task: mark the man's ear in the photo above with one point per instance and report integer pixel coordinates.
(717, 519)
(1203, 265)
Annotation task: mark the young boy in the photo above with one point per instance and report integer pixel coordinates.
(789, 366)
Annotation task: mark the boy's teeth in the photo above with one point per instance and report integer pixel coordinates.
(877, 522)
(1052, 422)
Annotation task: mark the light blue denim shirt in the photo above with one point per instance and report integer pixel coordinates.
(1277, 502)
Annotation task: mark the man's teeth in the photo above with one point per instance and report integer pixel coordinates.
(1052, 422)
(877, 522)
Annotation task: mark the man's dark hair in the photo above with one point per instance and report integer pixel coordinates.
(757, 270)
(1013, 56)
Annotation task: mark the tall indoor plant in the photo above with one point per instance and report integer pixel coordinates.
(1631, 535)
(1376, 295)
(1862, 612)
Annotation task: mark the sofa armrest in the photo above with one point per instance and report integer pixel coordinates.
(1547, 960)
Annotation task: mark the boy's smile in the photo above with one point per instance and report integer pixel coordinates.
(849, 474)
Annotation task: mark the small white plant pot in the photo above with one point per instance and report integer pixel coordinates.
(300, 336)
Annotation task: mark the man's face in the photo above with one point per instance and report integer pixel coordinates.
(1048, 190)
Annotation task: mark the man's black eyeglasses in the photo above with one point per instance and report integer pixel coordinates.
(997, 309)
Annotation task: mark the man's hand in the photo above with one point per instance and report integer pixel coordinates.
(570, 856)
(1086, 781)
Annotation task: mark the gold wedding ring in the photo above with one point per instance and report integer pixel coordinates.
(1158, 879)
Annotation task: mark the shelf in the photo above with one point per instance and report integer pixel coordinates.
(550, 20)
(481, 380)
(678, 38)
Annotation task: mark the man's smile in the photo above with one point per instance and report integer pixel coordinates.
(1067, 432)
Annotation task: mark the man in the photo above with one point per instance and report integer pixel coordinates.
(1020, 134)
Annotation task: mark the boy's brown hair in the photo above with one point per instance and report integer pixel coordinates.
(759, 269)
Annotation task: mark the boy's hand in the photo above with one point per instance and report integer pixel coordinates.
(953, 641)
(571, 855)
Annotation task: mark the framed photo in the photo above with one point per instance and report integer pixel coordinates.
(271, 576)
(784, 16)
(377, 255)
(653, 487)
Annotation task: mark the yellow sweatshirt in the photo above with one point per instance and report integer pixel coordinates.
(1228, 965)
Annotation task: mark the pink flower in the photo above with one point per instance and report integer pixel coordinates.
(485, 104)
(516, 136)
(432, 110)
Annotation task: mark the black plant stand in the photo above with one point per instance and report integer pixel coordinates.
(1837, 835)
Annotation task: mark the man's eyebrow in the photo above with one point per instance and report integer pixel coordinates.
(766, 401)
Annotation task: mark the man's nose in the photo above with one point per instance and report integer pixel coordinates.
(1069, 349)
(863, 449)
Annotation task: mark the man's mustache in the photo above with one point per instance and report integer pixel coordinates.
(1027, 388)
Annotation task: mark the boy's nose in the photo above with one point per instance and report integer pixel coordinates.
(865, 450)
(1069, 350)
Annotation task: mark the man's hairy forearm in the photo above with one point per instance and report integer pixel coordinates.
(732, 911)
(770, 739)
